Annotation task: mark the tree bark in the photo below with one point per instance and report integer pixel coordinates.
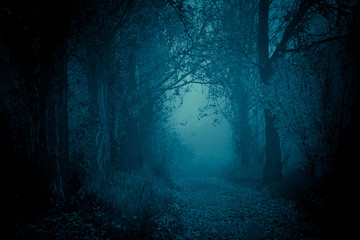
(53, 116)
(244, 128)
(131, 146)
(98, 113)
(52, 111)
(272, 168)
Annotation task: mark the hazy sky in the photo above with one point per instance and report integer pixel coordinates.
(211, 144)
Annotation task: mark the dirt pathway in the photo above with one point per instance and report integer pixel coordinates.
(211, 208)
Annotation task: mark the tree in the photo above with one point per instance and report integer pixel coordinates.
(272, 168)
(35, 37)
(129, 65)
(53, 117)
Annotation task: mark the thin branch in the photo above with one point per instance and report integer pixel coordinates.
(181, 17)
(122, 19)
(289, 30)
(296, 50)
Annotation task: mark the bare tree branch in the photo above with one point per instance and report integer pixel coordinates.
(336, 38)
(289, 30)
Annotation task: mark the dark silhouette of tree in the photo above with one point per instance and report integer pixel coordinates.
(35, 36)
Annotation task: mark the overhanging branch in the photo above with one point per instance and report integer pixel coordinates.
(290, 28)
(313, 44)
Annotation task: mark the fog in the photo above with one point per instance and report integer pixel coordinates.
(206, 133)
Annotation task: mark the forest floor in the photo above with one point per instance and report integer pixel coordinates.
(212, 208)
(192, 208)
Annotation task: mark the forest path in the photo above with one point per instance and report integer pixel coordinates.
(212, 208)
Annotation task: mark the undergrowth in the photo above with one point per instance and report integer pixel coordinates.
(125, 207)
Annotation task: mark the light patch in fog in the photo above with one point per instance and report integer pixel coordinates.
(210, 143)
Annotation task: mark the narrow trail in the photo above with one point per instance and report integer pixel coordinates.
(211, 208)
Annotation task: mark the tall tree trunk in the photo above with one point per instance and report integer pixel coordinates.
(272, 168)
(52, 111)
(244, 128)
(132, 123)
(98, 114)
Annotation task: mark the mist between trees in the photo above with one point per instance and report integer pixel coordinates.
(89, 90)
